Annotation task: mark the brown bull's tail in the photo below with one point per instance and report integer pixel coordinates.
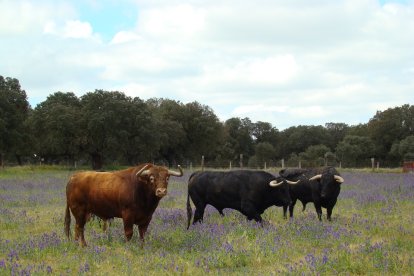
(67, 221)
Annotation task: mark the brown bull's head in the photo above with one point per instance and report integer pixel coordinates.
(158, 177)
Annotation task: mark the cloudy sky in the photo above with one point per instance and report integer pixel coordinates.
(289, 63)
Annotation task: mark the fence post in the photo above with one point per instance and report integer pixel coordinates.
(241, 161)
(265, 167)
(202, 163)
(283, 163)
(300, 164)
(230, 165)
(372, 163)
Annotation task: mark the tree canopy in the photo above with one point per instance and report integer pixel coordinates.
(109, 127)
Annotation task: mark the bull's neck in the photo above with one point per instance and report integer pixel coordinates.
(146, 197)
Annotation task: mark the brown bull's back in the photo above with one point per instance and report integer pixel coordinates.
(101, 193)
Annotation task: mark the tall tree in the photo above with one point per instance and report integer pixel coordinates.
(355, 150)
(169, 115)
(140, 134)
(240, 137)
(55, 124)
(337, 132)
(390, 126)
(404, 150)
(316, 155)
(298, 139)
(14, 109)
(115, 126)
(203, 131)
(264, 153)
(265, 132)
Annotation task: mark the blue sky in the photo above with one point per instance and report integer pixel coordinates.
(284, 62)
(108, 17)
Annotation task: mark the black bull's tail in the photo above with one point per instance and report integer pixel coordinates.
(67, 221)
(189, 210)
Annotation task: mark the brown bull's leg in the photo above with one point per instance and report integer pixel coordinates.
(82, 231)
(79, 231)
(128, 229)
(142, 231)
(128, 220)
(105, 225)
(80, 216)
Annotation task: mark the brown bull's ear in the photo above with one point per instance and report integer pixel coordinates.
(170, 172)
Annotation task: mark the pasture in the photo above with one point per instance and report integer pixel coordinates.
(372, 232)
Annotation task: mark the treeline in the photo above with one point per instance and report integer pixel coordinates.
(110, 128)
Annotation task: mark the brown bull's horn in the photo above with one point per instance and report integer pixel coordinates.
(316, 177)
(274, 183)
(291, 182)
(339, 179)
(170, 172)
(142, 171)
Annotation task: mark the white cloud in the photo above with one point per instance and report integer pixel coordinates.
(28, 18)
(70, 29)
(77, 29)
(171, 21)
(125, 37)
(285, 62)
(137, 90)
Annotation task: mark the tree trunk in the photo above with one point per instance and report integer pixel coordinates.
(97, 161)
(19, 159)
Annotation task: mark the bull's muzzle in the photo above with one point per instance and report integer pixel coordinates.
(160, 192)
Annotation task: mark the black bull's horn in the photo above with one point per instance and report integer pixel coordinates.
(336, 177)
(274, 183)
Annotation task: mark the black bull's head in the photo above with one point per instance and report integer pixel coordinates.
(329, 183)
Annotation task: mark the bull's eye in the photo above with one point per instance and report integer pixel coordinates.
(152, 179)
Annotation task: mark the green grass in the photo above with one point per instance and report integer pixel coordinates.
(372, 233)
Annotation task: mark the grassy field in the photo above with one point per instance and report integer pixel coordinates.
(372, 232)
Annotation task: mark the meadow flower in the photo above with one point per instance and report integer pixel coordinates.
(13, 256)
(84, 268)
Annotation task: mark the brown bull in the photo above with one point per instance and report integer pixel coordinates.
(132, 194)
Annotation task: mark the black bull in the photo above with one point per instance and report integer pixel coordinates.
(320, 186)
(249, 192)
